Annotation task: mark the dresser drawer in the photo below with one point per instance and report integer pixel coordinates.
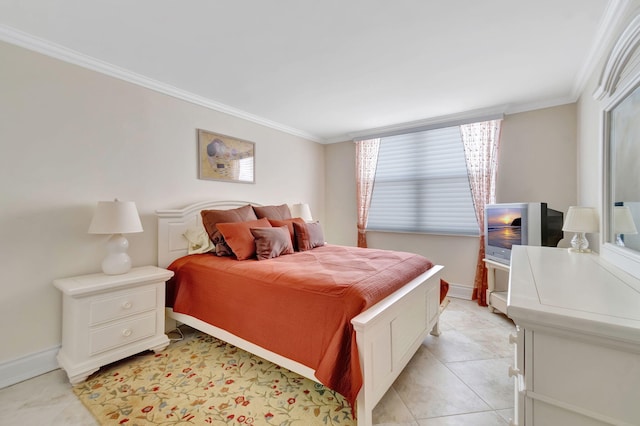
(122, 305)
(589, 376)
(122, 333)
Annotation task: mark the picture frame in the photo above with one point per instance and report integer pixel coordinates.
(225, 158)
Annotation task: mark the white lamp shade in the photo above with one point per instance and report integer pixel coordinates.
(115, 217)
(623, 221)
(302, 210)
(581, 219)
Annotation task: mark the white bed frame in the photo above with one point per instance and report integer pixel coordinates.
(388, 334)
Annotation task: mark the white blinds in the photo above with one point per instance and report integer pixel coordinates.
(421, 185)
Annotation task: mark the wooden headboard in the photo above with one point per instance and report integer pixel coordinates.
(172, 224)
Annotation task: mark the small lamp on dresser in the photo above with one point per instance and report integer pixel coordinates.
(580, 220)
(117, 218)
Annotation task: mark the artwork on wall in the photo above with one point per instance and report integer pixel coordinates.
(225, 158)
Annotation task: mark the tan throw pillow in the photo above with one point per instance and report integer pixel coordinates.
(273, 212)
(238, 236)
(272, 242)
(308, 235)
(210, 218)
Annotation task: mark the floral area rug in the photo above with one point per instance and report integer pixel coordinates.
(204, 381)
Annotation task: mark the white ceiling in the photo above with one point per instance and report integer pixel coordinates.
(330, 69)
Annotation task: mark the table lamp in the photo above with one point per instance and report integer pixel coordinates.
(580, 220)
(117, 218)
(302, 210)
(623, 223)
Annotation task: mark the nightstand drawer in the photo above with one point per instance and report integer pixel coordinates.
(122, 333)
(122, 305)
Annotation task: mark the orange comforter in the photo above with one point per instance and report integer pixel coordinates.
(299, 305)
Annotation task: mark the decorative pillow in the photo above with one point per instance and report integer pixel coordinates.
(238, 236)
(308, 235)
(272, 242)
(212, 217)
(289, 225)
(273, 212)
(199, 241)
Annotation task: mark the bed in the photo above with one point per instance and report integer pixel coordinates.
(386, 334)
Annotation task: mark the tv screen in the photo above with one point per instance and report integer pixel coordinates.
(523, 224)
(504, 226)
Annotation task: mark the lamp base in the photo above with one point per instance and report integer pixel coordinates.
(577, 250)
(579, 243)
(117, 261)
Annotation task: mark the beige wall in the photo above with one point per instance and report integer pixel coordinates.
(537, 163)
(340, 197)
(71, 137)
(537, 160)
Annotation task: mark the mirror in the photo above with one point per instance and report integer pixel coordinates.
(624, 170)
(619, 91)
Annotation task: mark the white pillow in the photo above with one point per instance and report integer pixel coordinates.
(199, 241)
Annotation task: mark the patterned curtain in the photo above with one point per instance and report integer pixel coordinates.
(366, 163)
(481, 141)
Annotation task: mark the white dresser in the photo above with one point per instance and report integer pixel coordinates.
(578, 342)
(108, 317)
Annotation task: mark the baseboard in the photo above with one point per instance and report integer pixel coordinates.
(27, 367)
(460, 291)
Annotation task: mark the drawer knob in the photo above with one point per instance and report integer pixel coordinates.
(127, 332)
(513, 371)
(513, 339)
(127, 305)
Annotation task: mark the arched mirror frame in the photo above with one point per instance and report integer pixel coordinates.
(620, 77)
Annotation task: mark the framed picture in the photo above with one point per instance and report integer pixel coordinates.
(225, 158)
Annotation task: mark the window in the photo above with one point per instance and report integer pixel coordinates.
(421, 185)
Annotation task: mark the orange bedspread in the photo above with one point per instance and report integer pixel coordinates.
(298, 305)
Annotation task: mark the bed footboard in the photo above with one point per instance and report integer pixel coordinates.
(389, 334)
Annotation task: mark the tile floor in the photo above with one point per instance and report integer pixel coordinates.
(459, 378)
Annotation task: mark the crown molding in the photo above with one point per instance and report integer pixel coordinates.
(532, 106)
(490, 113)
(613, 16)
(484, 114)
(45, 47)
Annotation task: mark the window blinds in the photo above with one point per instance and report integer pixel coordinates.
(421, 185)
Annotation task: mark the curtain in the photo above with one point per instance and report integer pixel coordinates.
(481, 142)
(366, 162)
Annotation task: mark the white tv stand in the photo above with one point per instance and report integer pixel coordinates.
(496, 299)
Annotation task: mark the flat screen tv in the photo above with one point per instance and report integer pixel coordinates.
(509, 224)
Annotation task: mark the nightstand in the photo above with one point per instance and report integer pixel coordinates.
(109, 317)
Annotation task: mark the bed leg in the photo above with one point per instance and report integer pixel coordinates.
(365, 415)
(169, 323)
(435, 331)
